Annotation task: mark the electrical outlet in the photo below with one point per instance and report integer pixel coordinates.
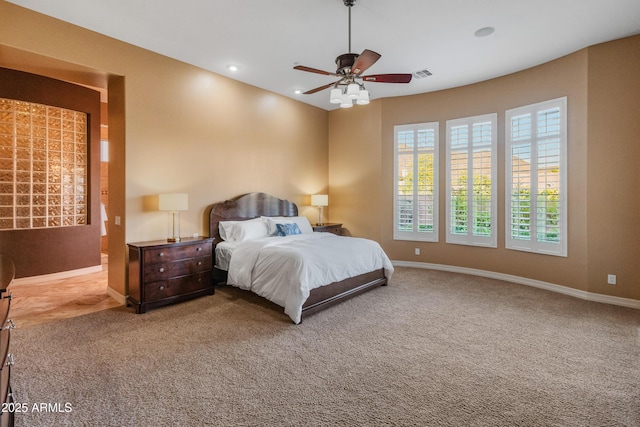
(417, 251)
(611, 279)
(117, 220)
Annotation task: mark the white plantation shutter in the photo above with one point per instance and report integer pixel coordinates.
(416, 182)
(472, 180)
(536, 203)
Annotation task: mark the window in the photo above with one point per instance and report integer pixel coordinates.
(416, 182)
(536, 202)
(471, 181)
(43, 166)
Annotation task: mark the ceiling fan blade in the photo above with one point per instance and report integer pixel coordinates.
(366, 59)
(313, 70)
(318, 89)
(388, 78)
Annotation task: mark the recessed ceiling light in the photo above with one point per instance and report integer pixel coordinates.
(485, 31)
(297, 92)
(232, 68)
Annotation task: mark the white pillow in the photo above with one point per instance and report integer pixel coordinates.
(239, 231)
(302, 221)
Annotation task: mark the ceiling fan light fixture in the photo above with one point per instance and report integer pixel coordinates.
(363, 97)
(353, 91)
(350, 67)
(346, 102)
(336, 96)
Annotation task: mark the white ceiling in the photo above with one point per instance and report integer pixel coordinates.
(265, 39)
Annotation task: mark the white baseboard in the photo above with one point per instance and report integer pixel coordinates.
(122, 299)
(589, 296)
(56, 276)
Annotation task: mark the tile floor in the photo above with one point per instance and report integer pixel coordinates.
(34, 304)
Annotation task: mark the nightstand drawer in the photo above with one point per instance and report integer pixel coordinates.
(5, 380)
(168, 270)
(183, 285)
(4, 346)
(5, 303)
(168, 254)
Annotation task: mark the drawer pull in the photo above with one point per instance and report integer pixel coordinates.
(161, 288)
(199, 262)
(10, 325)
(161, 270)
(199, 249)
(161, 254)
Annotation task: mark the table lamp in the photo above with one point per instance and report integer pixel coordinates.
(320, 200)
(174, 203)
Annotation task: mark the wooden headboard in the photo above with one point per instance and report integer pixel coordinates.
(247, 206)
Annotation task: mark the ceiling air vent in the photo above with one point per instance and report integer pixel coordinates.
(422, 74)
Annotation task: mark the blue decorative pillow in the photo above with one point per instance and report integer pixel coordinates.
(287, 229)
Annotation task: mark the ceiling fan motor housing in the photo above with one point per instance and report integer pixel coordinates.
(345, 63)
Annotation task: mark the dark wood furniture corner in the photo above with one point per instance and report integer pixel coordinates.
(162, 273)
(330, 227)
(7, 273)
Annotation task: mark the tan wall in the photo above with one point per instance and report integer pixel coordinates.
(176, 128)
(587, 77)
(355, 154)
(613, 179)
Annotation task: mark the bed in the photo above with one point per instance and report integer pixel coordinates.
(283, 269)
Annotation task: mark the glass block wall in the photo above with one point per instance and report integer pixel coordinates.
(43, 166)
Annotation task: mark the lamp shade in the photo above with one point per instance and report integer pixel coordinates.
(346, 102)
(353, 90)
(363, 98)
(319, 200)
(336, 96)
(173, 202)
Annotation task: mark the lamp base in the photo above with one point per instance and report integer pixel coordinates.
(174, 232)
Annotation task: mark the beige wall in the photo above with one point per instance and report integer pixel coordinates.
(602, 79)
(175, 128)
(355, 154)
(613, 179)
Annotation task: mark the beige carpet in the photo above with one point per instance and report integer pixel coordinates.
(433, 348)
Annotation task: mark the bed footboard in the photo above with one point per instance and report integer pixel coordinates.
(334, 293)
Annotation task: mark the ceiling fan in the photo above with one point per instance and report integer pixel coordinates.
(350, 69)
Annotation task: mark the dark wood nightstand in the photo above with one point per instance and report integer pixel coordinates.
(162, 273)
(329, 227)
(7, 273)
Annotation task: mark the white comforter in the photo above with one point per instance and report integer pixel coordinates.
(285, 269)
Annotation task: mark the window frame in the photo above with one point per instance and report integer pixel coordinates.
(533, 244)
(415, 234)
(471, 239)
